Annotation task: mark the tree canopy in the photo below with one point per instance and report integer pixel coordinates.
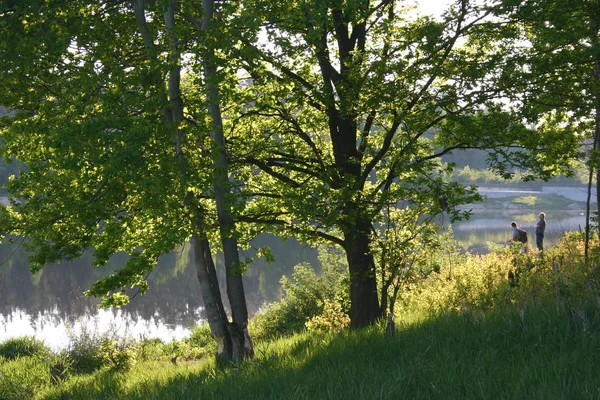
(333, 111)
(354, 102)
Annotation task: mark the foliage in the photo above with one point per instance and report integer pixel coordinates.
(401, 246)
(23, 347)
(305, 296)
(481, 283)
(199, 345)
(107, 173)
(332, 319)
(150, 349)
(201, 342)
(118, 354)
(558, 74)
(117, 159)
(89, 350)
(353, 105)
(480, 332)
(470, 175)
(342, 110)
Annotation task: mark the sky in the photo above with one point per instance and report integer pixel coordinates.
(432, 7)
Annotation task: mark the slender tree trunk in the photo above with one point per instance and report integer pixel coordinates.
(213, 305)
(596, 48)
(385, 281)
(364, 302)
(227, 338)
(587, 213)
(595, 39)
(242, 345)
(205, 268)
(596, 147)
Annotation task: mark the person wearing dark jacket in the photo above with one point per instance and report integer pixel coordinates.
(516, 236)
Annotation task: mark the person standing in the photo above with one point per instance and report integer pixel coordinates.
(540, 228)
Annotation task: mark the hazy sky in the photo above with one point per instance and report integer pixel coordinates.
(432, 7)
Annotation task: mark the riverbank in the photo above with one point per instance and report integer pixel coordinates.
(575, 193)
(465, 332)
(508, 200)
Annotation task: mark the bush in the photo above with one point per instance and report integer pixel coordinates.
(89, 350)
(304, 296)
(118, 354)
(505, 278)
(333, 319)
(151, 349)
(200, 344)
(201, 336)
(22, 347)
(85, 350)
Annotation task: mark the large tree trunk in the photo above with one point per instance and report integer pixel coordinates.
(364, 306)
(242, 345)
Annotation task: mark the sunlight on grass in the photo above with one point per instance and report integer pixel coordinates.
(544, 202)
(527, 200)
(464, 332)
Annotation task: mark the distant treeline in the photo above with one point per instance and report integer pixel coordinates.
(471, 167)
(475, 172)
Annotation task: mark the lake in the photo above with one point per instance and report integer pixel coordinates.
(50, 304)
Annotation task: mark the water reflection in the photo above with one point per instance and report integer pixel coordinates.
(475, 233)
(54, 329)
(45, 303)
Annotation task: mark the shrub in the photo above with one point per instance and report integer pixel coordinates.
(304, 296)
(118, 354)
(333, 319)
(200, 344)
(89, 350)
(85, 350)
(201, 336)
(558, 276)
(150, 349)
(22, 347)
(187, 349)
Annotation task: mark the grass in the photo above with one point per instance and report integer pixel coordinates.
(471, 336)
(540, 353)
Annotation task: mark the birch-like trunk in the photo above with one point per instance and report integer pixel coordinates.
(173, 113)
(242, 345)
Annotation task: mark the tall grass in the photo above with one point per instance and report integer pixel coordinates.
(464, 332)
(539, 354)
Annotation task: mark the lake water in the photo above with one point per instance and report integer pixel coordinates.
(50, 304)
(481, 229)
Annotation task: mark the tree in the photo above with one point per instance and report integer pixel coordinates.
(354, 101)
(118, 160)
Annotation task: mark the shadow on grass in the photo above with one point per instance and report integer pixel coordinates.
(541, 353)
